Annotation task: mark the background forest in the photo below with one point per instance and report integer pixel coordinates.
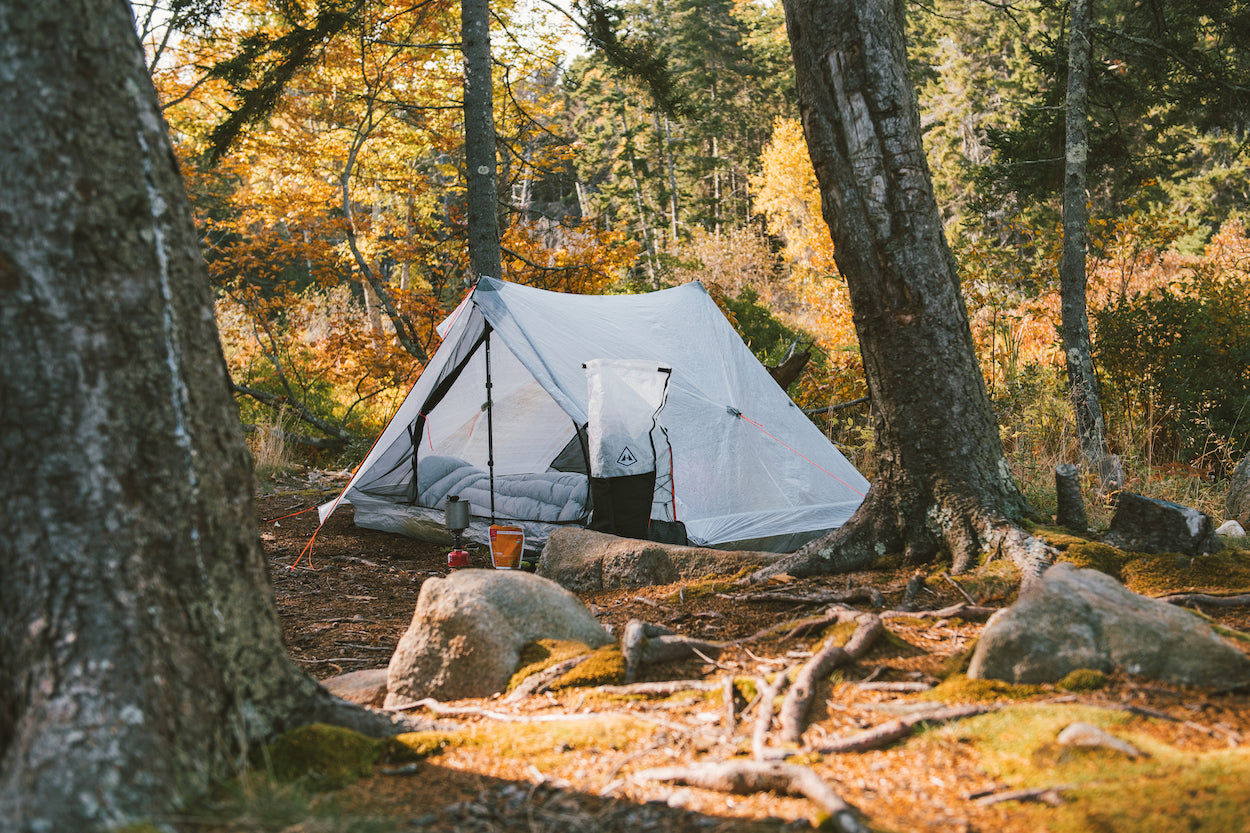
(651, 143)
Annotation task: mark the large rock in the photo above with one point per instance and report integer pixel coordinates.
(583, 560)
(468, 629)
(1074, 618)
(1237, 504)
(1143, 524)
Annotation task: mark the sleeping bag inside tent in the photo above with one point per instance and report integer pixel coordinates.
(501, 417)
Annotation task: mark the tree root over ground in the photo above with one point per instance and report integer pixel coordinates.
(742, 777)
(793, 716)
(893, 730)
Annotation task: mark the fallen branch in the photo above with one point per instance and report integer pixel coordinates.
(504, 717)
(793, 717)
(658, 689)
(746, 777)
(646, 644)
(899, 728)
(764, 716)
(1047, 795)
(540, 681)
(799, 627)
(854, 594)
(959, 588)
(899, 687)
(963, 610)
(1190, 599)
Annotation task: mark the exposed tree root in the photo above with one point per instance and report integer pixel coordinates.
(871, 595)
(963, 610)
(965, 533)
(1047, 795)
(662, 688)
(760, 749)
(643, 644)
(540, 681)
(793, 716)
(1192, 599)
(894, 730)
(797, 627)
(745, 777)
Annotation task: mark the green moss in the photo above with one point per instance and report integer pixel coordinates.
(541, 654)
(709, 586)
(1168, 789)
(958, 688)
(1229, 633)
(545, 744)
(327, 757)
(745, 688)
(956, 664)
(605, 666)
(415, 746)
(1059, 538)
(1097, 556)
(1155, 575)
(1083, 679)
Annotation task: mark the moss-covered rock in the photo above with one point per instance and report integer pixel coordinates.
(1083, 679)
(541, 654)
(1097, 556)
(960, 689)
(1226, 571)
(326, 756)
(606, 666)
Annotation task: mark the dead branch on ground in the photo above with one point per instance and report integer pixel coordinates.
(894, 730)
(963, 610)
(644, 644)
(746, 777)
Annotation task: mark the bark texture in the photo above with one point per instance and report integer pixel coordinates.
(479, 140)
(1074, 314)
(942, 482)
(140, 650)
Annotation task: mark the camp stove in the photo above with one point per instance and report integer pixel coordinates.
(456, 514)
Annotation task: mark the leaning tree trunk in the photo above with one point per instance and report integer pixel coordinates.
(942, 478)
(140, 650)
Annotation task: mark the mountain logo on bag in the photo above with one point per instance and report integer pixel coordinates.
(627, 458)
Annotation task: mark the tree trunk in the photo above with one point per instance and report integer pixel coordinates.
(140, 652)
(1074, 315)
(479, 140)
(942, 482)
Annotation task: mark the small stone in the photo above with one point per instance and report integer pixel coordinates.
(1089, 736)
(1231, 529)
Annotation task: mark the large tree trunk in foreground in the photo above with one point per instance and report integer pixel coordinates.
(140, 650)
(942, 478)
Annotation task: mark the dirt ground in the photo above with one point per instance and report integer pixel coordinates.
(346, 603)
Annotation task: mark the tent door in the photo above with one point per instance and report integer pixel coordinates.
(625, 398)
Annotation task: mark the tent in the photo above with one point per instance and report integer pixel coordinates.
(499, 417)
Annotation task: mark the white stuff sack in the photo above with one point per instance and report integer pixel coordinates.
(625, 398)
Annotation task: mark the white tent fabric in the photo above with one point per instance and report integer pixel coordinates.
(624, 398)
(749, 469)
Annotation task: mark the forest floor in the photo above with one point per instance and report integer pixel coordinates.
(568, 761)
